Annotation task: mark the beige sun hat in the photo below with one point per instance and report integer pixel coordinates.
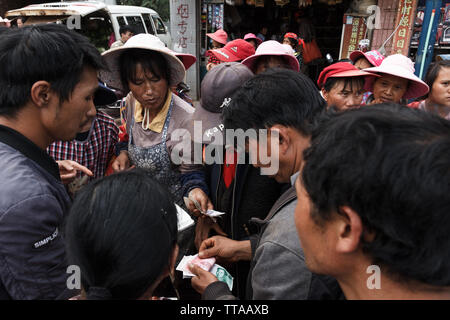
(140, 41)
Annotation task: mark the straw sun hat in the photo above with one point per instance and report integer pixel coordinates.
(146, 42)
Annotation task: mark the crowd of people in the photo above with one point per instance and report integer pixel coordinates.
(362, 179)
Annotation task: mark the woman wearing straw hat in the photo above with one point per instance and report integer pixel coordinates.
(397, 81)
(146, 68)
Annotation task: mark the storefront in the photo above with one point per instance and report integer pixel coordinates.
(339, 26)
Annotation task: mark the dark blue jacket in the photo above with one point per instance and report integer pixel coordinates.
(33, 205)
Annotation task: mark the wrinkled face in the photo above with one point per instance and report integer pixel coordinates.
(344, 96)
(362, 63)
(389, 88)
(72, 116)
(149, 89)
(440, 91)
(267, 62)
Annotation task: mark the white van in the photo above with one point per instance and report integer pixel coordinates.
(96, 20)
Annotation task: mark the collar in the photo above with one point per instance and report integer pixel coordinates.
(30, 150)
(294, 177)
(157, 123)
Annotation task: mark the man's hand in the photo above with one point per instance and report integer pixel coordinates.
(225, 249)
(68, 170)
(203, 227)
(198, 195)
(202, 278)
(122, 162)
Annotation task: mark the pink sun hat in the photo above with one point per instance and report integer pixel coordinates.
(252, 36)
(272, 48)
(220, 36)
(186, 58)
(400, 66)
(374, 57)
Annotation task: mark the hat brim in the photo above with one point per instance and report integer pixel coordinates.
(292, 60)
(224, 55)
(355, 55)
(416, 87)
(112, 75)
(258, 40)
(210, 122)
(187, 59)
(216, 38)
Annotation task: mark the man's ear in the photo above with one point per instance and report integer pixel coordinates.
(284, 138)
(41, 93)
(349, 228)
(324, 94)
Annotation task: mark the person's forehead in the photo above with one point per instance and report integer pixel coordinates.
(392, 79)
(352, 84)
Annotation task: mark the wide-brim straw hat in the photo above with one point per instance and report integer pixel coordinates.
(400, 66)
(145, 42)
(220, 36)
(272, 48)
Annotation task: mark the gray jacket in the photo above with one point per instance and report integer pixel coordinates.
(33, 204)
(278, 270)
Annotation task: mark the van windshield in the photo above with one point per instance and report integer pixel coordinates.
(98, 29)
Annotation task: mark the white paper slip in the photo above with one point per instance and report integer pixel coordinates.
(214, 213)
(184, 219)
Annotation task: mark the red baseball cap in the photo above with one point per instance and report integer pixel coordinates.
(236, 50)
(340, 70)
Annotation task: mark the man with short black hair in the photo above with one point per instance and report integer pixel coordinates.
(287, 104)
(374, 203)
(126, 32)
(48, 79)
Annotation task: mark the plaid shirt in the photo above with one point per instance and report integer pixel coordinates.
(95, 152)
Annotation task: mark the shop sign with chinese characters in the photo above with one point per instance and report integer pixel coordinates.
(405, 17)
(354, 31)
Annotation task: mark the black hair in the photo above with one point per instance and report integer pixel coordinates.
(126, 28)
(47, 52)
(433, 72)
(276, 96)
(348, 81)
(151, 61)
(121, 232)
(391, 164)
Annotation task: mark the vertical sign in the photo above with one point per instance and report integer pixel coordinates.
(183, 28)
(405, 21)
(354, 30)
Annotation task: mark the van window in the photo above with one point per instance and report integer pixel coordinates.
(98, 28)
(136, 23)
(148, 23)
(121, 21)
(160, 28)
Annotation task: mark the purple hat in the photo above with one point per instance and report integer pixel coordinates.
(217, 87)
(272, 48)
